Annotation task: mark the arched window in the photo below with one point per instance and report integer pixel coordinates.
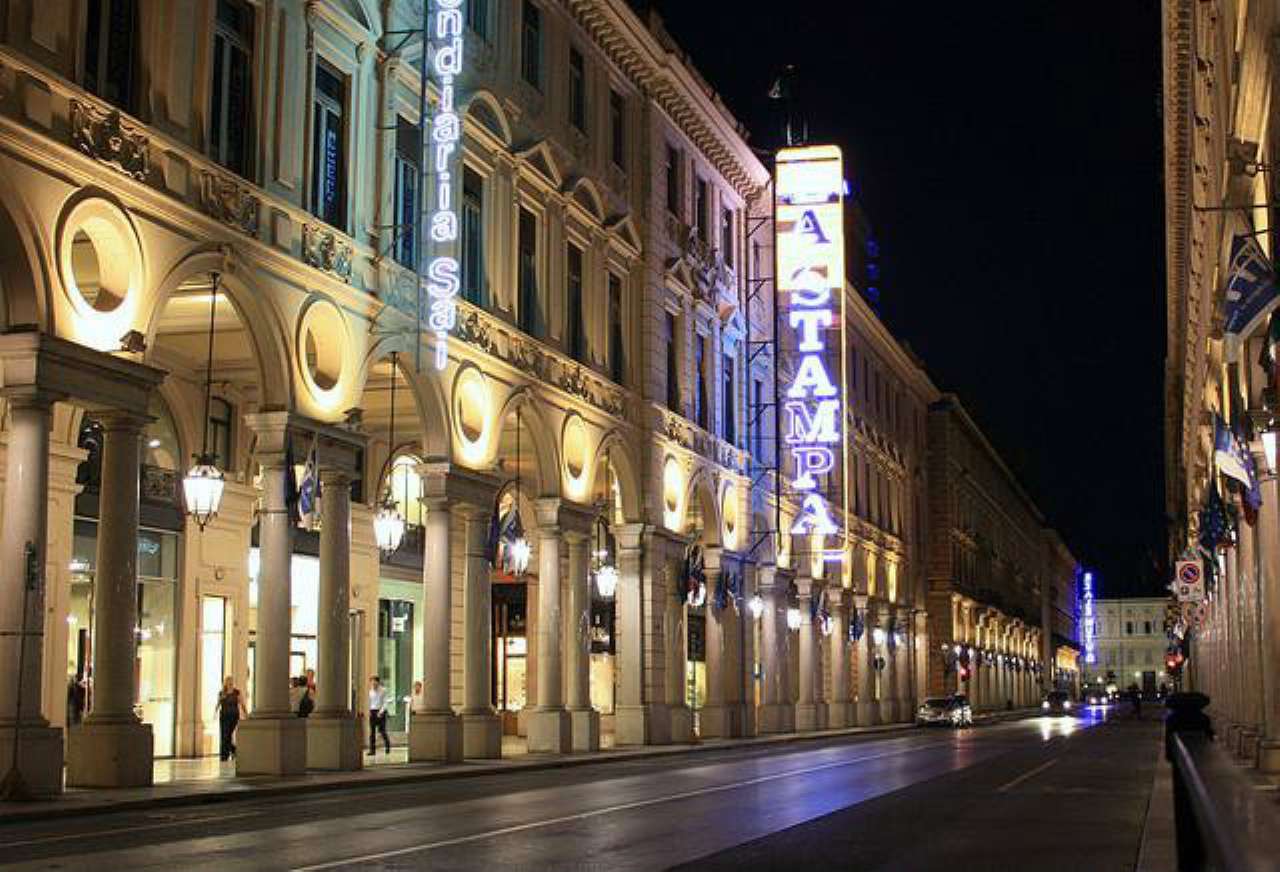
(406, 489)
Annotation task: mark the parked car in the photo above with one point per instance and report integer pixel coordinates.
(1056, 702)
(948, 711)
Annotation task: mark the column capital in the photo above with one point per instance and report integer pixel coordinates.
(32, 397)
(336, 477)
(122, 421)
(458, 484)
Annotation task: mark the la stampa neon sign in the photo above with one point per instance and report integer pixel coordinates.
(809, 228)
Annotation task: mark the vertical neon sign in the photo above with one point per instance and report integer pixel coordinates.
(1086, 613)
(444, 31)
(809, 240)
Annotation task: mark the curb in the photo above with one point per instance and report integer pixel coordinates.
(35, 812)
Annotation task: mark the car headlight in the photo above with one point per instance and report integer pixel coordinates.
(1045, 705)
(1066, 704)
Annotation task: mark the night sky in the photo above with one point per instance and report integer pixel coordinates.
(1008, 155)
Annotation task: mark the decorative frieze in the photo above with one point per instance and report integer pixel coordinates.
(104, 136)
(324, 249)
(230, 202)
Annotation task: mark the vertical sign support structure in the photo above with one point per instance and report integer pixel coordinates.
(809, 276)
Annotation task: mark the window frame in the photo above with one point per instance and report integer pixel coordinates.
(531, 44)
(578, 109)
(618, 129)
(319, 100)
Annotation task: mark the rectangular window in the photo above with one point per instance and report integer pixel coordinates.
(673, 181)
(408, 158)
(573, 304)
(618, 128)
(1128, 628)
(477, 15)
(700, 210)
(1146, 627)
(328, 158)
(702, 408)
(673, 366)
(530, 314)
(726, 236)
(220, 421)
(531, 44)
(474, 285)
(230, 118)
(617, 350)
(757, 419)
(729, 403)
(577, 90)
(110, 44)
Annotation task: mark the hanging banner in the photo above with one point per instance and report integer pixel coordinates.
(809, 247)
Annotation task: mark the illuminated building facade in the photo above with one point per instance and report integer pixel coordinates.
(1131, 643)
(999, 581)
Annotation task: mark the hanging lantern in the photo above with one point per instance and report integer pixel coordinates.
(388, 526)
(793, 618)
(519, 552)
(825, 624)
(878, 636)
(756, 604)
(202, 486)
(605, 572)
(607, 581)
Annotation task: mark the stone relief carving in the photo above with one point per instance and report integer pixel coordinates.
(104, 136)
(323, 249)
(230, 202)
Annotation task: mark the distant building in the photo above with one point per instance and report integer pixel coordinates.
(1130, 644)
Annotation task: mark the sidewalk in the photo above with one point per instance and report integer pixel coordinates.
(216, 788)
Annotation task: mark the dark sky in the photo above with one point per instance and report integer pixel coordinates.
(1008, 155)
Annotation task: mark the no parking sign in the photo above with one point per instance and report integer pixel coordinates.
(1188, 583)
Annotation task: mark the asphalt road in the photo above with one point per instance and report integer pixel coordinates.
(889, 802)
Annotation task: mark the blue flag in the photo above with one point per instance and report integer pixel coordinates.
(1252, 491)
(309, 491)
(1227, 453)
(1214, 522)
(1251, 283)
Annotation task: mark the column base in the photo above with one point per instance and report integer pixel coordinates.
(888, 711)
(1247, 744)
(838, 715)
(776, 718)
(482, 736)
(272, 746)
(867, 714)
(435, 737)
(1269, 756)
(110, 755)
(714, 722)
(681, 719)
(334, 742)
(39, 758)
(550, 731)
(807, 717)
(585, 727)
(636, 725)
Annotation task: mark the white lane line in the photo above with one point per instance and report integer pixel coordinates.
(1004, 788)
(67, 837)
(626, 806)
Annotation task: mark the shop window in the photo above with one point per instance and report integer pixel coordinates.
(110, 50)
(531, 44)
(574, 340)
(408, 164)
(230, 115)
(577, 90)
(328, 147)
(395, 659)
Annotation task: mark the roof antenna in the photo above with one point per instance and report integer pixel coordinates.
(786, 90)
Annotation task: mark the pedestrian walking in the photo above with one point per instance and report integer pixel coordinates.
(377, 715)
(418, 702)
(307, 700)
(230, 708)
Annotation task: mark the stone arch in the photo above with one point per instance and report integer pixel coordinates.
(271, 348)
(487, 112)
(542, 436)
(614, 446)
(585, 193)
(424, 387)
(702, 493)
(24, 267)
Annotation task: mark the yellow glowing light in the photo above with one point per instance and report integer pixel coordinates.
(672, 493)
(472, 413)
(576, 448)
(729, 513)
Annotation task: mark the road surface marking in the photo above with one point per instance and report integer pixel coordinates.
(1004, 788)
(43, 840)
(640, 803)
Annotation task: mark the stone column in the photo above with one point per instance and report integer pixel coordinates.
(481, 725)
(23, 545)
(1269, 604)
(902, 689)
(333, 732)
(114, 748)
(676, 646)
(806, 710)
(1248, 666)
(633, 710)
(777, 714)
(714, 718)
(584, 720)
(868, 712)
(735, 670)
(889, 675)
(273, 740)
(549, 726)
(747, 654)
(838, 648)
(435, 733)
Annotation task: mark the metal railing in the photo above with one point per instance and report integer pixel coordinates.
(1223, 820)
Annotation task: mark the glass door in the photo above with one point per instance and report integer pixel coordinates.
(215, 663)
